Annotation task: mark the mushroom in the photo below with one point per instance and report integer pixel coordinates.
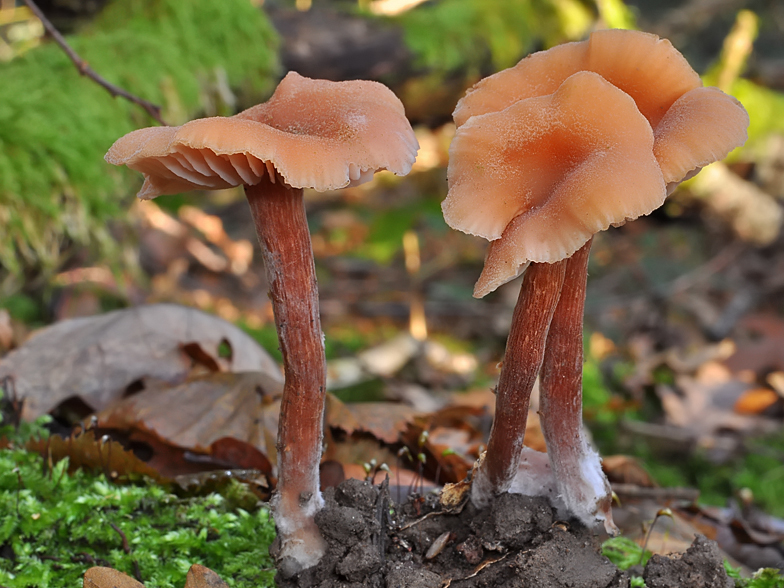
(565, 144)
(311, 133)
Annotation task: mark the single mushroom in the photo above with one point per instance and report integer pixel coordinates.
(565, 144)
(311, 133)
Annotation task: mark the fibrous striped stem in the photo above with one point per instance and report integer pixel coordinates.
(279, 215)
(522, 360)
(577, 468)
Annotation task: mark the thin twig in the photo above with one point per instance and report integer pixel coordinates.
(635, 491)
(125, 546)
(84, 69)
(15, 404)
(662, 512)
(433, 513)
(137, 572)
(19, 485)
(478, 569)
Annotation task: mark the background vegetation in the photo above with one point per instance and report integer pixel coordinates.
(55, 126)
(664, 291)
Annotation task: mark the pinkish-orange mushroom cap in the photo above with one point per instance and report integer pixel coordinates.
(543, 175)
(544, 204)
(313, 133)
(644, 66)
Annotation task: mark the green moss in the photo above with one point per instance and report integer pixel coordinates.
(58, 525)
(56, 126)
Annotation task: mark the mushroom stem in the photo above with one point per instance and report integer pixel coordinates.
(522, 361)
(279, 215)
(577, 468)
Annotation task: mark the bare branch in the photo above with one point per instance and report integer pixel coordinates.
(84, 69)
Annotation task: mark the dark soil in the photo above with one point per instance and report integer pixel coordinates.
(516, 542)
(701, 566)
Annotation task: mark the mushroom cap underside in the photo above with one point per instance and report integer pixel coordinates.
(312, 133)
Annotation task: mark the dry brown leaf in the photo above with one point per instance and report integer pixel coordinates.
(626, 469)
(478, 397)
(756, 401)
(198, 413)
(702, 406)
(340, 415)
(100, 577)
(359, 449)
(171, 461)
(183, 466)
(216, 481)
(85, 451)
(454, 495)
(736, 535)
(451, 446)
(397, 476)
(384, 420)
(211, 423)
(761, 350)
(6, 330)
(168, 465)
(201, 577)
(534, 437)
(669, 534)
(98, 358)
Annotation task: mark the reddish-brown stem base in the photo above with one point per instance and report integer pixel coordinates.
(546, 335)
(581, 483)
(279, 215)
(522, 360)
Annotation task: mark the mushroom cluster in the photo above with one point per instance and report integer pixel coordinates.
(311, 133)
(565, 144)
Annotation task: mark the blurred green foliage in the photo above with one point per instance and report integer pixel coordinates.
(454, 34)
(616, 15)
(23, 308)
(759, 468)
(267, 337)
(764, 578)
(765, 106)
(597, 398)
(385, 237)
(766, 112)
(341, 340)
(624, 552)
(56, 126)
